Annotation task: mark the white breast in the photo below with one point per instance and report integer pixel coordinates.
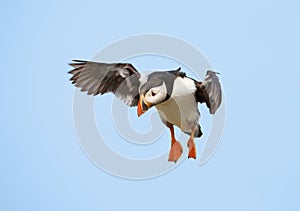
(181, 109)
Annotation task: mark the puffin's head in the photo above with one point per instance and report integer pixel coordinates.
(153, 92)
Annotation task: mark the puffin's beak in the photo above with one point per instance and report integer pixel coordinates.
(143, 106)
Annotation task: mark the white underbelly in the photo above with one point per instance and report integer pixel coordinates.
(181, 111)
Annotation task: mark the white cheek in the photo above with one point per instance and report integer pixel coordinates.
(159, 97)
(148, 97)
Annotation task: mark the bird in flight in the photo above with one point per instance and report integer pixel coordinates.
(175, 95)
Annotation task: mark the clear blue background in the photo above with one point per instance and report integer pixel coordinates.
(255, 44)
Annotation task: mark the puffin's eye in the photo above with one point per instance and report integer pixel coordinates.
(153, 93)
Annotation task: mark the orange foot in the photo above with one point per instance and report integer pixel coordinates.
(175, 152)
(192, 148)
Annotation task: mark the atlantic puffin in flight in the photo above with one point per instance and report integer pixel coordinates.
(174, 95)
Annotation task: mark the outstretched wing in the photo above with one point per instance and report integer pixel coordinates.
(209, 91)
(122, 79)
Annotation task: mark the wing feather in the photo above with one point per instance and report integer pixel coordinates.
(95, 78)
(209, 91)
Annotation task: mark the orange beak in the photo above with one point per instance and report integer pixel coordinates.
(142, 106)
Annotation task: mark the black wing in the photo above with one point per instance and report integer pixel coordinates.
(122, 79)
(209, 91)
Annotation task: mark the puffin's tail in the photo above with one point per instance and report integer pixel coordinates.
(198, 133)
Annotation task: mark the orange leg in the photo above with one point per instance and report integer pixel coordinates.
(191, 145)
(176, 148)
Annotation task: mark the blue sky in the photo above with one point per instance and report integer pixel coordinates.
(254, 44)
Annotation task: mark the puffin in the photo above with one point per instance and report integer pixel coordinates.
(172, 93)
